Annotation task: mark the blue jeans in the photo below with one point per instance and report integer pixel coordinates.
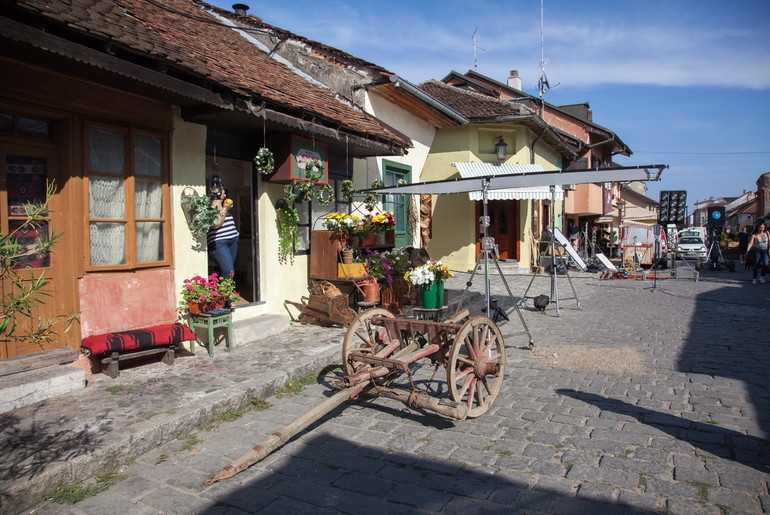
(223, 252)
(760, 261)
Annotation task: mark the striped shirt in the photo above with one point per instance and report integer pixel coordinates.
(225, 232)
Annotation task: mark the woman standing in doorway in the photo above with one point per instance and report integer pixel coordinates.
(759, 245)
(223, 237)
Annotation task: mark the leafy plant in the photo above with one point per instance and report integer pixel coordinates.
(25, 294)
(386, 266)
(302, 190)
(201, 215)
(346, 189)
(288, 232)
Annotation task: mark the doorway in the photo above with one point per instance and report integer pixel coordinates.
(26, 168)
(504, 226)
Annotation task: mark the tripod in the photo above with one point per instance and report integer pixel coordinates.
(488, 251)
(553, 272)
(714, 256)
(695, 270)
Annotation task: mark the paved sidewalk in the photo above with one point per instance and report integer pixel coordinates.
(686, 431)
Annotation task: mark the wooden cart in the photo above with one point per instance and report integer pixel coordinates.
(379, 348)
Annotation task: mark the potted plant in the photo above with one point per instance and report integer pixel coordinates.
(430, 279)
(201, 294)
(200, 214)
(343, 225)
(384, 224)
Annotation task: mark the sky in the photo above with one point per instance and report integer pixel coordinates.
(685, 83)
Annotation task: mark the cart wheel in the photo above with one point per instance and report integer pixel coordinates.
(476, 365)
(364, 337)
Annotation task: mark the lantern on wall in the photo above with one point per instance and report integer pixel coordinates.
(500, 147)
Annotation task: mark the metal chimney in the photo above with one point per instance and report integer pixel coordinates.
(514, 81)
(240, 9)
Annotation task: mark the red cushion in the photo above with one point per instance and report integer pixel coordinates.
(136, 339)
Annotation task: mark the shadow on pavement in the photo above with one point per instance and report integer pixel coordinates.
(35, 446)
(332, 475)
(730, 338)
(725, 443)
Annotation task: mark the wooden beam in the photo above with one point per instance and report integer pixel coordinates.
(46, 358)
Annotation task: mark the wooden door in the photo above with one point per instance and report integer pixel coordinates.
(503, 227)
(25, 169)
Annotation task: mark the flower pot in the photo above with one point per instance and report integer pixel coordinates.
(196, 308)
(432, 295)
(429, 295)
(347, 257)
(368, 241)
(389, 238)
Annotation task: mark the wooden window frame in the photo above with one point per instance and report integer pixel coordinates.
(130, 219)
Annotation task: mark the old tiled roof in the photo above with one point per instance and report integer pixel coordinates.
(192, 40)
(483, 108)
(470, 104)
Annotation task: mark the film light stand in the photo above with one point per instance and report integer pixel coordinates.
(487, 254)
(554, 281)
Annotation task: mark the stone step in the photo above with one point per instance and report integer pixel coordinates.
(258, 327)
(25, 388)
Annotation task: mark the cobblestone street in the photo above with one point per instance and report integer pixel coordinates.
(685, 431)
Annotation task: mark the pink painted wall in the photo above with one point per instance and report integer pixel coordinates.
(585, 200)
(126, 300)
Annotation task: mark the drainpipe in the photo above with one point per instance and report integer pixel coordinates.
(532, 148)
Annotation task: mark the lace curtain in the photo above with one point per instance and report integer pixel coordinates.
(107, 197)
(148, 200)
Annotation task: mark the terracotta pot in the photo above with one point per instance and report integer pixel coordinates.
(347, 257)
(196, 308)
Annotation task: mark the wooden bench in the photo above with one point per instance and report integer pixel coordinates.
(112, 348)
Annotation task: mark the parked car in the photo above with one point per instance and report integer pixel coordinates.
(692, 248)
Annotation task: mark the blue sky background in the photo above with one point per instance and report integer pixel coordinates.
(682, 82)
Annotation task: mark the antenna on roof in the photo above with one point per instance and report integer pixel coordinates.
(475, 61)
(542, 81)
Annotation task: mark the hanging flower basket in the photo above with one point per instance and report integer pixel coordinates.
(264, 161)
(198, 212)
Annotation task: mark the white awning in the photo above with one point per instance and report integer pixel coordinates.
(626, 222)
(520, 180)
(472, 170)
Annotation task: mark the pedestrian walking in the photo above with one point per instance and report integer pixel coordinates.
(758, 246)
(743, 245)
